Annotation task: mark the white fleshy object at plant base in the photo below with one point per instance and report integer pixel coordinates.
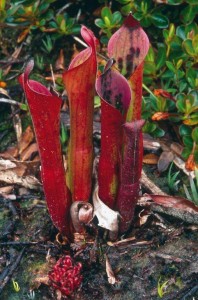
(107, 218)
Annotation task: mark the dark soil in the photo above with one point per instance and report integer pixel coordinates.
(164, 252)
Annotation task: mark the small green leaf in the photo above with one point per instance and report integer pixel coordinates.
(191, 76)
(126, 9)
(161, 57)
(159, 20)
(171, 32)
(196, 159)
(175, 2)
(145, 21)
(116, 17)
(171, 66)
(106, 13)
(75, 29)
(186, 152)
(185, 130)
(97, 102)
(182, 86)
(195, 135)
(191, 1)
(123, 1)
(150, 55)
(2, 5)
(63, 25)
(188, 13)
(100, 23)
(149, 68)
(104, 39)
(158, 133)
(180, 32)
(149, 127)
(23, 106)
(107, 21)
(188, 142)
(193, 120)
(195, 43)
(181, 105)
(188, 46)
(167, 75)
(179, 64)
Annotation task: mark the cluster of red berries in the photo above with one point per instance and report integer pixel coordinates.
(66, 276)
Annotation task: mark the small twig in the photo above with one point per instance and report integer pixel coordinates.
(10, 101)
(12, 208)
(63, 8)
(149, 91)
(8, 230)
(17, 123)
(13, 102)
(53, 78)
(12, 268)
(13, 197)
(7, 244)
(12, 61)
(149, 185)
(85, 45)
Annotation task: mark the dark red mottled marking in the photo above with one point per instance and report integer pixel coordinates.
(120, 63)
(113, 84)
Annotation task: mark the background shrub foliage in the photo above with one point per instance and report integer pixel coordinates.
(43, 27)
